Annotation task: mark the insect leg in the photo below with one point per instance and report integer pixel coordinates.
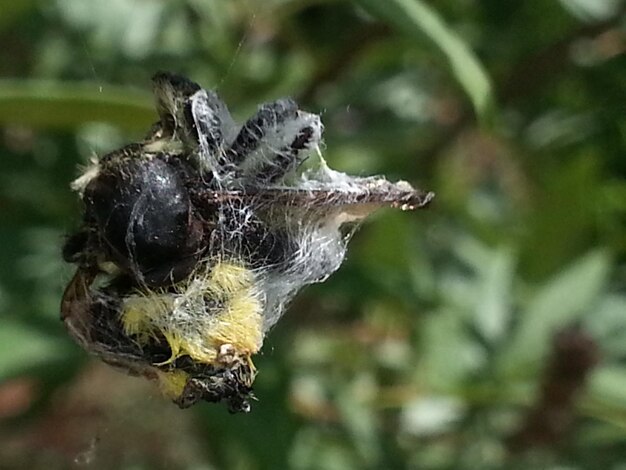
(172, 94)
(195, 116)
(289, 157)
(212, 127)
(268, 120)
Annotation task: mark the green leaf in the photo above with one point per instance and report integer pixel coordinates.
(483, 298)
(64, 105)
(416, 19)
(560, 302)
(449, 355)
(493, 311)
(23, 347)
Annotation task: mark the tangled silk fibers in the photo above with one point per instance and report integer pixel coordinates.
(194, 240)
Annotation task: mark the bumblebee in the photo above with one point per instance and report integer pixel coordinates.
(194, 240)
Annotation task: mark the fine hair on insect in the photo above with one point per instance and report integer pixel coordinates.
(194, 239)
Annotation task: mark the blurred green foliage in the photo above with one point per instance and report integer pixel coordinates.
(435, 343)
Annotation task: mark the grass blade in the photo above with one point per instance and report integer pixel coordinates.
(417, 19)
(63, 105)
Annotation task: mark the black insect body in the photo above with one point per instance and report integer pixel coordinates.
(195, 238)
(144, 218)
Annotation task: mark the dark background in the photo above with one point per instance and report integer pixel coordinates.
(486, 332)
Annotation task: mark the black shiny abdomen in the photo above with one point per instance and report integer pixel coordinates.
(144, 217)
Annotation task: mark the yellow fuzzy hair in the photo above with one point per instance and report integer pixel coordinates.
(239, 323)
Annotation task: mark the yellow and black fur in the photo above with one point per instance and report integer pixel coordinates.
(195, 238)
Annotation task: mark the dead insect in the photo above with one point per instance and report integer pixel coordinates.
(194, 240)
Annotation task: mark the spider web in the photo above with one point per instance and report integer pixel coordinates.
(256, 176)
(283, 225)
(276, 223)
